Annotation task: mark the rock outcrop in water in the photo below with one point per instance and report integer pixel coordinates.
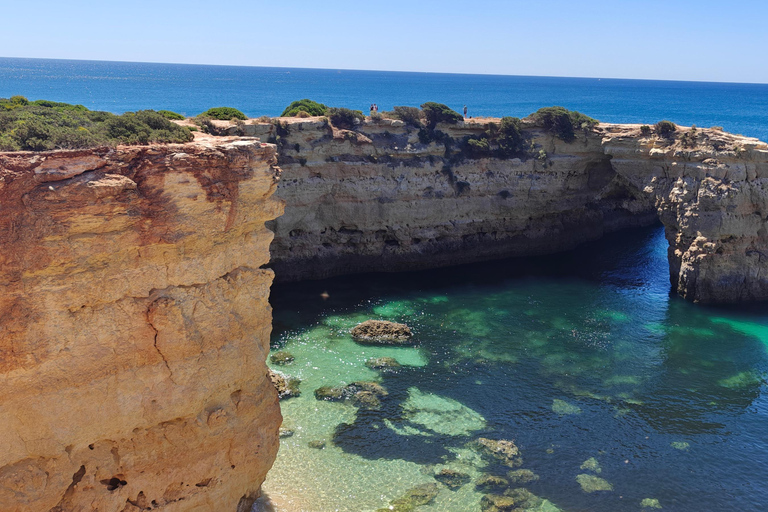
(134, 327)
(378, 199)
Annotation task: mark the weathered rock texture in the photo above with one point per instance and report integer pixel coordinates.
(134, 325)
(376, 199)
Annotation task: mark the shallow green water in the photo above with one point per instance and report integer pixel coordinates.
(600, 377)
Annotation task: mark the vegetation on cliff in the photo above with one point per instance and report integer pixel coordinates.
(505, 140)
(309, 107)
(438, 113)
(345, 118)
(563, 123)
(665, 129)
(43, 125)
(223, 114)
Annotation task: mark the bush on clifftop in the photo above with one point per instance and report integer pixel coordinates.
(438, 113)
(345, 118)
(409, 115)
(173, 116)
(45, 125)
(224, 114)
(312, 108)
(562, 122)
(665, 129)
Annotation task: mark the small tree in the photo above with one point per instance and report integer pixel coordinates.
(645, 130)
(438, 113)
(666, 129)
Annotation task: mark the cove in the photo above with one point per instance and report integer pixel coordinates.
(584, 359)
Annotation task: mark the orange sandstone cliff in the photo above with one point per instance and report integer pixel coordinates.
(134, 327)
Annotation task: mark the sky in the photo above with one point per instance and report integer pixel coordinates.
(702, 40)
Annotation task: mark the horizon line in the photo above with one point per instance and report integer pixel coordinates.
(390, 71)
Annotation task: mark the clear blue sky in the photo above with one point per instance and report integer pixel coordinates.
(671, 39)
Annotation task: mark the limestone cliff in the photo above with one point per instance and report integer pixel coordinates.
(134, 326)
(379, 198)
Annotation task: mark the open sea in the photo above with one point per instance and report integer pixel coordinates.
(618, 394)
(191, 89)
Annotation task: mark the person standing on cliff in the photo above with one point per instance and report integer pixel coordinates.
(465, 111)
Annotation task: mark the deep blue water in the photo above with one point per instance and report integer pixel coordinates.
(190, 89)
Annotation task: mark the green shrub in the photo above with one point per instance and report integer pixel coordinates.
(666, 129)
(438, 113)
(345, 118)
(409, 115)
(224, 113)
(562, 122)
(312, 108)
(478, 147)
(173, 116)
(511, 139)
(645, 130)
(688, 139)
(45, 125)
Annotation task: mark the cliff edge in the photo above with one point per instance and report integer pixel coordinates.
(135, 327)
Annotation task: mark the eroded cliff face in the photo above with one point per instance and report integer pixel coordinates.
(134, 327)
(712, 197)
(377, 198)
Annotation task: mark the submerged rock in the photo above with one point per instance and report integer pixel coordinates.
(281, 358)
(329, 393)
(452, 479)
(318, 445)
(427, 414)
(491, 483)
(501, 450)
(382, 332)
(362, 394)
(497, 503)
(526, 500)
(286, 386)
(650, 503)
(285, 432)
(416, 497)
(680, 445)
(522, 476)
(563, 408)
(591, 464)
(592, 483)
(385, 364)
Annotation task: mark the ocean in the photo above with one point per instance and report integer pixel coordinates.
(191, 89)
(618, 394)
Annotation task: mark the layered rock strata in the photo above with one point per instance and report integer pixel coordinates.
(134, 326)
(379, 199)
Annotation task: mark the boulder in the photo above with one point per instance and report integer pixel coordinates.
(382, 332)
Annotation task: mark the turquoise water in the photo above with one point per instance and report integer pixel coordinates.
(574, 357)
(191, 89)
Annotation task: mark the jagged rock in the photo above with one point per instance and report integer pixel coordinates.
(281, 358)
(286, 386)
(501, 450)
(522, 476)
(285, 432)
(381, 331)
(386, 364)
(491, 483)
(452, 479)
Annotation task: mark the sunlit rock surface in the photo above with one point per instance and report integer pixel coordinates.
(134, 327)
